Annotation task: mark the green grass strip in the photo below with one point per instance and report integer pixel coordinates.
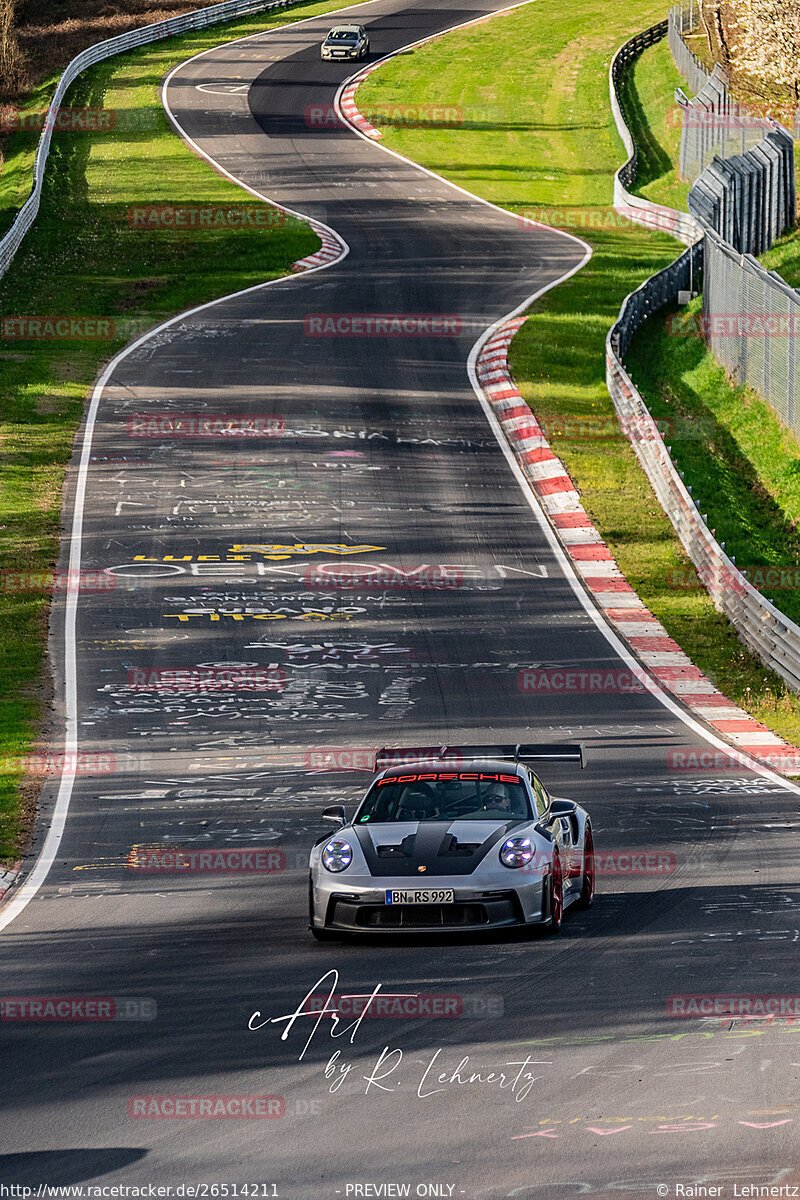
(784, 257)
(744, 471)
(552, 146)
(647, 102)
(83, 258)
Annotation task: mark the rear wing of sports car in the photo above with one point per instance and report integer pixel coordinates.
(397, 756)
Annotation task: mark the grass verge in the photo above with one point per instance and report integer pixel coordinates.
(557, 149)
(784, 257)
(84, 259)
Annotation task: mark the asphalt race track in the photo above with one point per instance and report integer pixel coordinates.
(216, 545)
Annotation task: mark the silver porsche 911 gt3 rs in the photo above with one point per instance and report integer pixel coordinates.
(468, 838)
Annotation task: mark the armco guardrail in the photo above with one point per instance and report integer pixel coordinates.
(771, 636)
(642, 212)
(653, 294)
(199, 19)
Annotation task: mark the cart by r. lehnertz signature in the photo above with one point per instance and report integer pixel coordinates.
(431, 1076)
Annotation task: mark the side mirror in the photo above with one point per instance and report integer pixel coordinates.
(335, 814)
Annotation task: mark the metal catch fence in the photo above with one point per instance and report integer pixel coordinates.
(749, 199)
(683, 19)
(751, 323)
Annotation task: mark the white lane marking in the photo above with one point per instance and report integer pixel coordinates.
(583, 597)
(222, 89)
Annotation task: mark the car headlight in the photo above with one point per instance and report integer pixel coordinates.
(516, 852)
(337, 855)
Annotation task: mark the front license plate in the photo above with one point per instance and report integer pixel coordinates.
(430, 896)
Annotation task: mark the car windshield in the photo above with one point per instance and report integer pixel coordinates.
(342, 35)
(446, 796)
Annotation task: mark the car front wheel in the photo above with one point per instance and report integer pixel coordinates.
(587, 891)
(556, 897)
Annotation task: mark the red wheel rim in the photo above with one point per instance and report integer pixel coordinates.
(588, 867)
(558, 897)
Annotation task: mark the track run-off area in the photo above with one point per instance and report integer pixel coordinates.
(527, 1066)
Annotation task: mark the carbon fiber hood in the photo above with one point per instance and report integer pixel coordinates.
(441, 847)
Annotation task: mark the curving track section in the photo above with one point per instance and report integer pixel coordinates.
(217, 546)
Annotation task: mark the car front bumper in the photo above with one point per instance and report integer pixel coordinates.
(359, 905)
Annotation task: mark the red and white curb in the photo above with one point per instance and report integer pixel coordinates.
(331, 249)
(347, 104)
(594, 563)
